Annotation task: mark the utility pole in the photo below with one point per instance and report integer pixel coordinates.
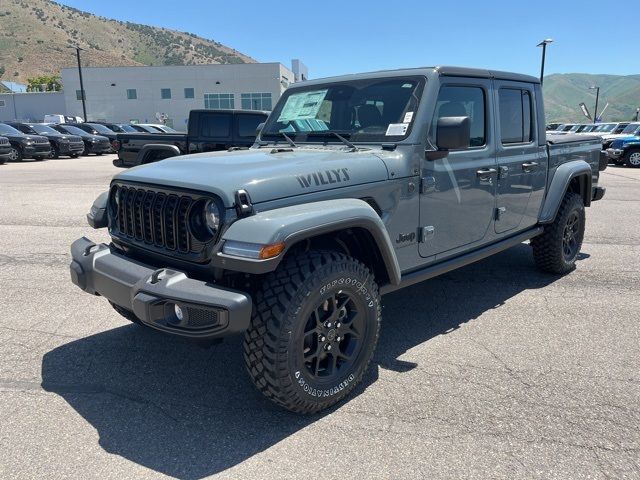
(82, 94)
(543, 44)
(595, 112)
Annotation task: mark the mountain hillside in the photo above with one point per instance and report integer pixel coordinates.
(35, 34)
(564, 92)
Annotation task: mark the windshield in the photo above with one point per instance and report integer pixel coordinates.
(45, 129)
(168, 129)
(9, 130)
(72, 130)
(607, 127)
(362, 110)
(631, 128)
(100, 128)
(127, 128)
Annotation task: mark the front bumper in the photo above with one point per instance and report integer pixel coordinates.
(614, 153)
(71, 148)
(37, 150)
(598, 193)
(208, 311)
(99, 147)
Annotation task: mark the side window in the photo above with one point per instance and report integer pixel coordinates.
(516, 125)
(215, 125)
(461, 101)
(247, 125)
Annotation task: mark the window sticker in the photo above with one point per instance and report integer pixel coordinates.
(302, 106)
(408, 117)
(397, 129)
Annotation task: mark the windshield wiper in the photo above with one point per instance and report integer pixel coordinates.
(335, 134)
(283, 135)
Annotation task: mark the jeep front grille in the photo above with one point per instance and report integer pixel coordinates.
(154, 218)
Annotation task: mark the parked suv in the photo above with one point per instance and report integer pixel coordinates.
(5, 150)
(96, 129)
(61, 144)
(96, 144)
(356, 186)
(625, 151)
(25, 145)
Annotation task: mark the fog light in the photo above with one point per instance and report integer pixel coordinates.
(178, 312)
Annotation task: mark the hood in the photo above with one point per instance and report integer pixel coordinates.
(626, 140)
(264, 173)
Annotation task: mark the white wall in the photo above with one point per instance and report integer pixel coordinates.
(30, 107)
(106, 89)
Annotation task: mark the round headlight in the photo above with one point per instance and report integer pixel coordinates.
(212, 216)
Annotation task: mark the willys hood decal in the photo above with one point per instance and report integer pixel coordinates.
(266, 174)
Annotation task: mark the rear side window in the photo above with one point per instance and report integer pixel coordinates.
(462, 101)
(215, 125)
(516, 123)
(247, 124)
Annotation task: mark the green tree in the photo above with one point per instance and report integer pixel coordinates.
(47, 83)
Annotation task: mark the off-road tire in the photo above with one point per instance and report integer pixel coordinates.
(548, 248)
(128, 314)
(287, 302)
(632, 158)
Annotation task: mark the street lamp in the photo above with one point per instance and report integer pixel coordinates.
(82, 94)
(595, 112)
(543, 44)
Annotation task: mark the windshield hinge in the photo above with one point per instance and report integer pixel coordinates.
(389, 146)
(244, 206)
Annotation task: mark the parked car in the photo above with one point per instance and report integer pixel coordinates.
(118, 127)
(159, 127)
(97, 129)
(208, 130)
(96, 144)
(25, 145)
(143, 129)
(552, 126)
(625, 151)
(356, 187)
(5, 150)
(611, 128)
(61, 143)
(630, 130)
(59, 118)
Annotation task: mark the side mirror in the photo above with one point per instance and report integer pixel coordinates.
(452, 133)
(259, 128)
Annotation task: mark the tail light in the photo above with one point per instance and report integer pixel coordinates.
(116, 145)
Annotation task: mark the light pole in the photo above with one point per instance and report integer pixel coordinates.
(82, 94)
(543, 44)
(595, 112)
(637, 114)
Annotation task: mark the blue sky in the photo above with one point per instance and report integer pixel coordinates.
(335, 37)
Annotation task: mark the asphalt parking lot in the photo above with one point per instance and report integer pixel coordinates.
(492, 371)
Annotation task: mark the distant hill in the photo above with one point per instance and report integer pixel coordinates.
(564, 92)
(34, 35)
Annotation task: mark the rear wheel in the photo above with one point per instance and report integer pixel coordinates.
(313, 332)
(557, 249)
(632, 158)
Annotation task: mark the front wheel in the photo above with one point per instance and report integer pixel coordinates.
(632, 158)
(15, 154)
(557, 248)
(313, 332)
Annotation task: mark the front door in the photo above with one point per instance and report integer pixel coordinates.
(521, 161)
(458, 192)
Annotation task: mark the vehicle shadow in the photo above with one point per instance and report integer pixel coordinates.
(189, 412)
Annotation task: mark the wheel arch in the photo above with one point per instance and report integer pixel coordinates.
(348, 225)
(574, 176)
(150, 152)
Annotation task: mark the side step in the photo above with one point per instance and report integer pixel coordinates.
(431, 271)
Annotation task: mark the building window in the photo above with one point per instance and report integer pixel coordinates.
(2, 104)
(165, 93)
(132, 94)
(78, 94)
(189, 93)
(256, 101)
(219, 100)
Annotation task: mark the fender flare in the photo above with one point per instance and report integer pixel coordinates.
(150, 148)
(559, 185)
(300, 222)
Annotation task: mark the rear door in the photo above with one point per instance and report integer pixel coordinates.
(245, 128)
(214, 132)
(457, 198)
(521, 160)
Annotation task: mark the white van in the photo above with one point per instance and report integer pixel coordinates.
(59, 118)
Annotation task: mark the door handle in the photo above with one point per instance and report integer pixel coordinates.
(527, 167)
(485, 173)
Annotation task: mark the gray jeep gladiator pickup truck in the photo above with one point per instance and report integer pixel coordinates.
(356, 186)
